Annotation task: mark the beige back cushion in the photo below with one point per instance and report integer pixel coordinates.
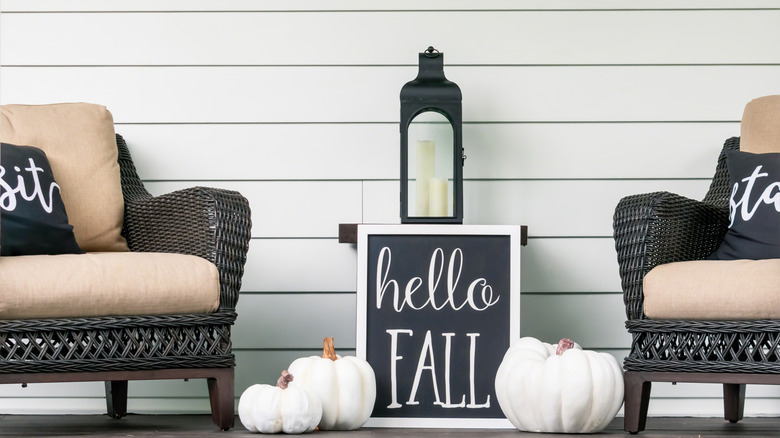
(760, 129)
(79, 141)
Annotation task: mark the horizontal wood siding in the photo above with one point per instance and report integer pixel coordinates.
(568, 107)
(297, 38)
(306, 94)
(349, 151)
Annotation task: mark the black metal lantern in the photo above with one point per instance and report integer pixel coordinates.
(431, 145)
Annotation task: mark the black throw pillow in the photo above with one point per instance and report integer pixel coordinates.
(32, 215)
(754, 207)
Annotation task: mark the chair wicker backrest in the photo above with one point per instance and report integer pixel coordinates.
(132, 187)
(720, 188)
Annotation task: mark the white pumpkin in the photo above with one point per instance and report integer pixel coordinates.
(563, 388)
(286, 407)
(346, 387)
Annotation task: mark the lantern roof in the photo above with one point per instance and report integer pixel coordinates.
(431, 85)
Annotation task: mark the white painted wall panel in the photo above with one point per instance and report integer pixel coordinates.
(241, 38)
(275, 265)
(549, 265)
(294, 320)
(564, 265)
(594, 321)
(370, 94)
(265, 366)
(301, 321)
(315, 208)
(263, 152)
(549, 208)
(371, 151)
(561, 208)
(289, 208)
(95, 406)
(594, 150)
(326, 6)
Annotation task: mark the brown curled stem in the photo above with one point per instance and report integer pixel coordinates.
(563, 345)
(284, 380)
(328, 351)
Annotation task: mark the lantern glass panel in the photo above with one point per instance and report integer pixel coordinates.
(431, 165)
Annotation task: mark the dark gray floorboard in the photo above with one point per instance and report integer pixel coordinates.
(201, 426)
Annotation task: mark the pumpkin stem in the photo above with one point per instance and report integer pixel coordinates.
(328, 352)
(563, 345)
(284, 380)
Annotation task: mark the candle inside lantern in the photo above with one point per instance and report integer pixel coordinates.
(426, 152)
(438, 197)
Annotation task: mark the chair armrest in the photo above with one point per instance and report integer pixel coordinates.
(661, 227)
(211, 223)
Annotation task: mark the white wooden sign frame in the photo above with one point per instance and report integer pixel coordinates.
(364, 231)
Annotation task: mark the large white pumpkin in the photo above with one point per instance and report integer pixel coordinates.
(346, 387)
(286, 407)
(563, 388)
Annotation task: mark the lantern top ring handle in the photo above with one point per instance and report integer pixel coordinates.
(431, 52)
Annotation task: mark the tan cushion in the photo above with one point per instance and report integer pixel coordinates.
(109, 283)
(714, 289)
(760, 128)
(79, 141)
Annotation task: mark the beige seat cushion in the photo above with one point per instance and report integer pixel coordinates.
(79, 141)
(714, 289)
(760, 128)
(103, 284)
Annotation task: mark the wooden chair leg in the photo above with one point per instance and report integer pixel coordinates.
(222, 394)
(637, 399)
(733, 401)
(116, 398)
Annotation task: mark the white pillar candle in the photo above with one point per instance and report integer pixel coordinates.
(426, 154)
(438, 203)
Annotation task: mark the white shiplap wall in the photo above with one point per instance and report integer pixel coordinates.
(568, 107)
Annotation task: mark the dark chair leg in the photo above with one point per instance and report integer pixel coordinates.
(116, 398)
(637, 399)
(733, 401)
(221, 394)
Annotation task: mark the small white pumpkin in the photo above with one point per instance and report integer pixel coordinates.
(286, 407)
(346, 387)
(563, 388)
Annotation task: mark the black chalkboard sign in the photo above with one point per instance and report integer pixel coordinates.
(437, 308)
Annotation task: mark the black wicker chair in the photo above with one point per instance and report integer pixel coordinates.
(657, 228)
(210, 223)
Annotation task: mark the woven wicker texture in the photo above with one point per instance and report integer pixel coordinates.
(211, 223)
(704, 346)
(661, 227)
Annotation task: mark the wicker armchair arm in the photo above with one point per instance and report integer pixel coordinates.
(211, 223)
(656, 228)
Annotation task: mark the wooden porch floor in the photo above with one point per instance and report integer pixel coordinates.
(201, 426)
